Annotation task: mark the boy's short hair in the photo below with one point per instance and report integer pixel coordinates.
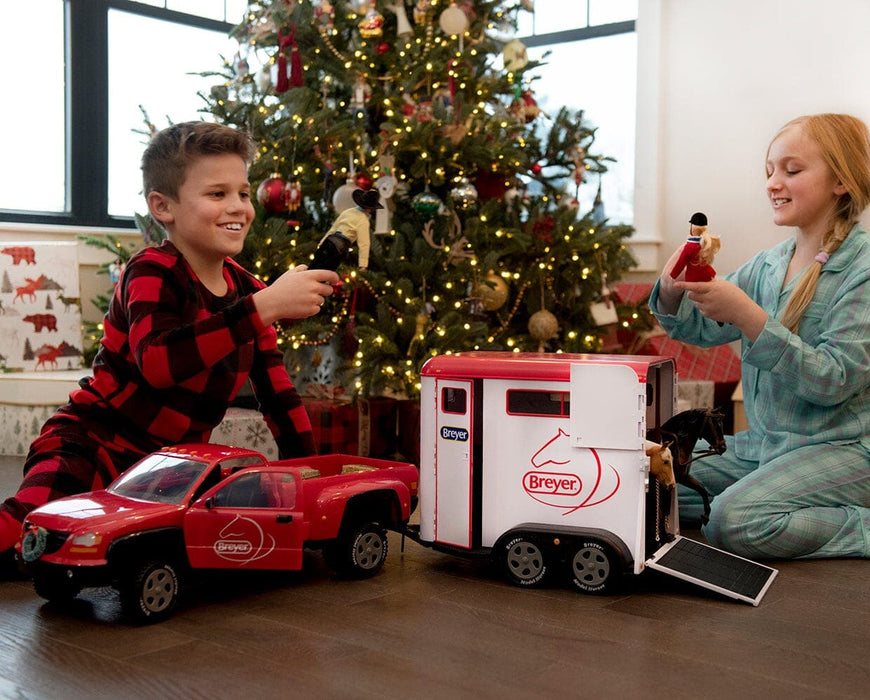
(172, 150)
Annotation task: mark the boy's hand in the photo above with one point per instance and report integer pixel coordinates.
(725, 302)
(298, 293)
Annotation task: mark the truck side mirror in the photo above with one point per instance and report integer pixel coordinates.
(209, 502)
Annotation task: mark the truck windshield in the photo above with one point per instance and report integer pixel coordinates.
(159, 478)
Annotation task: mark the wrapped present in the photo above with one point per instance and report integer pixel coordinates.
(409, 430)
(378, 426)
(244, 427)
(334, 419)
(695, 393)
(720, 365)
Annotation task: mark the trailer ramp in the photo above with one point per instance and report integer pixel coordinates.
(713, 569)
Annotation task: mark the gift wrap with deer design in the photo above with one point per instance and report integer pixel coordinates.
(40, 309)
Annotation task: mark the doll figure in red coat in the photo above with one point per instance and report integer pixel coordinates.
(698, 252)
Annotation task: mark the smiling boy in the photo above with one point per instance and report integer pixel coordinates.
(186, 328)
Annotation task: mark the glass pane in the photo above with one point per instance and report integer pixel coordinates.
(598, 76)
(236, 10)
(213, 9)
(558, 15)
(33, 117)
(608, 11)
(166, 90)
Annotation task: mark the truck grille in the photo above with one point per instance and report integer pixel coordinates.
(54, 539)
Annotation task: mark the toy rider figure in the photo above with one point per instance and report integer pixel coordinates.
(352, 225)
(698, 252)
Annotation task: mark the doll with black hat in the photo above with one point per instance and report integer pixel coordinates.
(353, 225)
(698, 252)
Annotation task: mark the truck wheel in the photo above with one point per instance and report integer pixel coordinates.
(525, 561)
(593, 568)
(56, 589)
(149, 592)
(362, 553)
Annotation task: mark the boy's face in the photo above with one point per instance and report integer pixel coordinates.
(213, 211)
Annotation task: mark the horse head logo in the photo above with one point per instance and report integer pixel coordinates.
(243, 541)
(574, 479)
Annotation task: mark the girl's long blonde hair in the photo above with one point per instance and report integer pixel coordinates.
(845, 144)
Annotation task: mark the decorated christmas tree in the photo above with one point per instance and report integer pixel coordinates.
(480, 243)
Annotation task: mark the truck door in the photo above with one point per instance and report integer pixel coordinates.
(453, 462)
(250, 521)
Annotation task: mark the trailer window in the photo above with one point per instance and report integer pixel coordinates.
(453, 400)
(538, 403)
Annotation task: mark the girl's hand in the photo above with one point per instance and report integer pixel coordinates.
(725, 302)
(669, 294)
(298, 293)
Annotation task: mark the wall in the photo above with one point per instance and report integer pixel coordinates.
(716, 80)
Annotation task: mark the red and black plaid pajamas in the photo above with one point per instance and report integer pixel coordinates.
(172, 358)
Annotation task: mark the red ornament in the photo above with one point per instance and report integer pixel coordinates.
(536, 168)
(491, 185)
(271, 194)
(363, 181)
(382, 48)
(543, 228)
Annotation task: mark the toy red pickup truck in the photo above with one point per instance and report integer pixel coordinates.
(215, 507)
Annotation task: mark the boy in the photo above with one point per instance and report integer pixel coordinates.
(186, 328)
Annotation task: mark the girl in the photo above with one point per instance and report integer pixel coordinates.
(797, 483)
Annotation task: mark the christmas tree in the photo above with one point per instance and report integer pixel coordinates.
(480, 244)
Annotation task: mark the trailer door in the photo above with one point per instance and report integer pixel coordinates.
(608, 406)
(453, 463)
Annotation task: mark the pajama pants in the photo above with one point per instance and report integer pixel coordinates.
(69, 456)
(813, 502)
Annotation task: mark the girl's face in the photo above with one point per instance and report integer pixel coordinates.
(801, 187)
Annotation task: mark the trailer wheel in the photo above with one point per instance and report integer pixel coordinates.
(593, 568)
(525, 561)
(55, 589)
(149, 592)
(361, 553)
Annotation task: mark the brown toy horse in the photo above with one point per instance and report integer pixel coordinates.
(682, 432)
(661, 462)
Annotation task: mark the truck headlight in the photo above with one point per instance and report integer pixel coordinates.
(88, 539)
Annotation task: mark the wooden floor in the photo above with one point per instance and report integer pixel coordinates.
(435, 626)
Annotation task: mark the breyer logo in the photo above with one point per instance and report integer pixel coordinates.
(458, 434)
(553, 483)
(232, 547)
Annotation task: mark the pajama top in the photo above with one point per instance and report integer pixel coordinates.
(799, 389)
(174, 355)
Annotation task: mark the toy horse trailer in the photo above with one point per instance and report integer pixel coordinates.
(538, 460)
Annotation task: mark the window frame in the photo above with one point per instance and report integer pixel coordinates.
(86, 103)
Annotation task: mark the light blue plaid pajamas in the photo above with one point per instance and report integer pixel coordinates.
(797, 483)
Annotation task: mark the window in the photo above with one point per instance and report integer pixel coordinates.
(592, 65)
(248, 491)
(132, 37)
(75, 151)
(33, 117)
(453, 400)
(538, 403)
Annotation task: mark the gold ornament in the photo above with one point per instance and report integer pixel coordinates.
(543, 325)
(492, 295)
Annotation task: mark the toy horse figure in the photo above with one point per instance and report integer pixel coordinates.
(683, 431)
(661, 462)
